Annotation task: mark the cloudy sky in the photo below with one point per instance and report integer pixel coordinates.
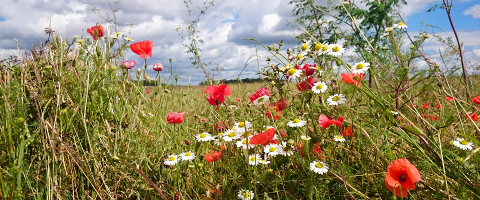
(222, 29)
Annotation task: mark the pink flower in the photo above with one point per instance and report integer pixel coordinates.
(325, 122)
(128, 64)
(175, 118)
(158, 67)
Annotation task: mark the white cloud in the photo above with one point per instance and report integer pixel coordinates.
(473, 11)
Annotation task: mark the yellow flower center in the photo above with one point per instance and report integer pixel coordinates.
(335, 98)
(324, 48)
(304, 47)
(291, 71)
(272, 149)
(360, 66)
(463, 142)
(339, 137)
(336, 49)
(319, 165)
(299, 57)
(231, 134)
(296, 120)
(188, 154)
(401, 24)
(172, 158)
(241, 124)
(247, 195)
(253, 159)
(260, 100)
(285, 148)
(244, 142)
(203, 135)
(318, 47)
(319, 86)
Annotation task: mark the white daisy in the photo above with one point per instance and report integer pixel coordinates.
(293, 74)
(296, 123)
(261, 100)
(204, 137)
(339, 138)
(218, 142)
(360, 68)
(286, 150)
(318, 48)
(319, 87)
(254, 159)
(336, 99)
(400, 25)
(245, 194)
(336, 50)
(244, 125)
(187, 156)
(243, 143)
(305, 137)
(325, 49)
(463, 144)
(264, 161)
(171, 160)
(230, 135)
(389, 29)
(319, 167)
(272, 149)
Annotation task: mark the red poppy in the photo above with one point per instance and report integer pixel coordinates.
(175, 118)
(269, 115)
(209, 158)
(238, 99)
(348, 132)
(96, 32)
(217, 94)
(425, 105)
(280, 105)
(325, 122)
(476, 99)
(143, 49)
(158, 67)
(217, 155)
(450, 98)
(439, 106)
(353, 78)
(307, 69)
(148, 91)
(317, 149)
(263, 137)
(472, 116)
(260, 96)
(214, 156)
(434, 118)
(303, 85)
(401, 176)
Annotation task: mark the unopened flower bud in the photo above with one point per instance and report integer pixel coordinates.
(412, 47)
(139, 71)
(383, 48)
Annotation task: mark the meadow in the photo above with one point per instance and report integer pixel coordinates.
(76, 124)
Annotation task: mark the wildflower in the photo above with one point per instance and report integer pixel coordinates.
(230, 135)
(425, 105)
(476, 100)
(158, 67)
(317, 149)
(187, 156)
(319, 167)
(204, 137)
(214, 156)
(433, 118)
(175, 118)
(147, 91)
(450, 98)
(264, 161)
(438, 106)
(260, 96)
(401, 176)
(172, 160)
(263, 137)
(360, 68)
(243, 143)
(307, 69)
(96, 31)
(336, 99)
(319, 87)
(243, 125)
(306, 85)
(325, 122)
(326, 48)
(463, 144)
(352, 78)
(269, 115)
(254, 159)
(272, 149)
(280, 105)
(286, 150)
(293, 74)
(217, 94)
(305, 137)
(400, 25)
(143, 49)
(296, 123)
(348, 132)
(245, 194)
(472, 116)
(389, 29)
(128, 64)
(336, 50)
(339, 138)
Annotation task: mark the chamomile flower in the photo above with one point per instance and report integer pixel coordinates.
(204, 137)
(318, 47)
(187, 156)
(272, 149)
(171, 160)
(336, 50)
(261, 100)
(360, 68)
(339, 138)
(319, 87)
(218, 142)
(325, 49)
(389, 29)
(463, 144)
(245, 194)
(293, 73)
(244, 144)
(286, 149)
(264, 161)
(336, 99)
(305, 137)
(400, 25)
(305, 48)
(319, 167)
(244, 125)
(254, 159)
(230, 135)
(296, 123)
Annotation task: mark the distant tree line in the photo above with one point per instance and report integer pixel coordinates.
(244, 80)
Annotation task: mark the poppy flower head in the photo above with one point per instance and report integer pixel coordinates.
(307, 69)
(353, 78)
(401, 176)
(143, 49)
(209, 158)
(263, 137)
(280, 105)
(450, 98)
(472, 116)
(325, 122)
(260, 96)
(476, 99)
(348, 132)
(269, 115)
(175, 118)
(306, 85)
(439, 106)
(158, 67)
(425, 105)
(128, 64)
(96, 32)
(217, 94)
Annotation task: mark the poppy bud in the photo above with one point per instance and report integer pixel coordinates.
(170, 59)
(281, 43)
(187, 142)
(139, 71)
